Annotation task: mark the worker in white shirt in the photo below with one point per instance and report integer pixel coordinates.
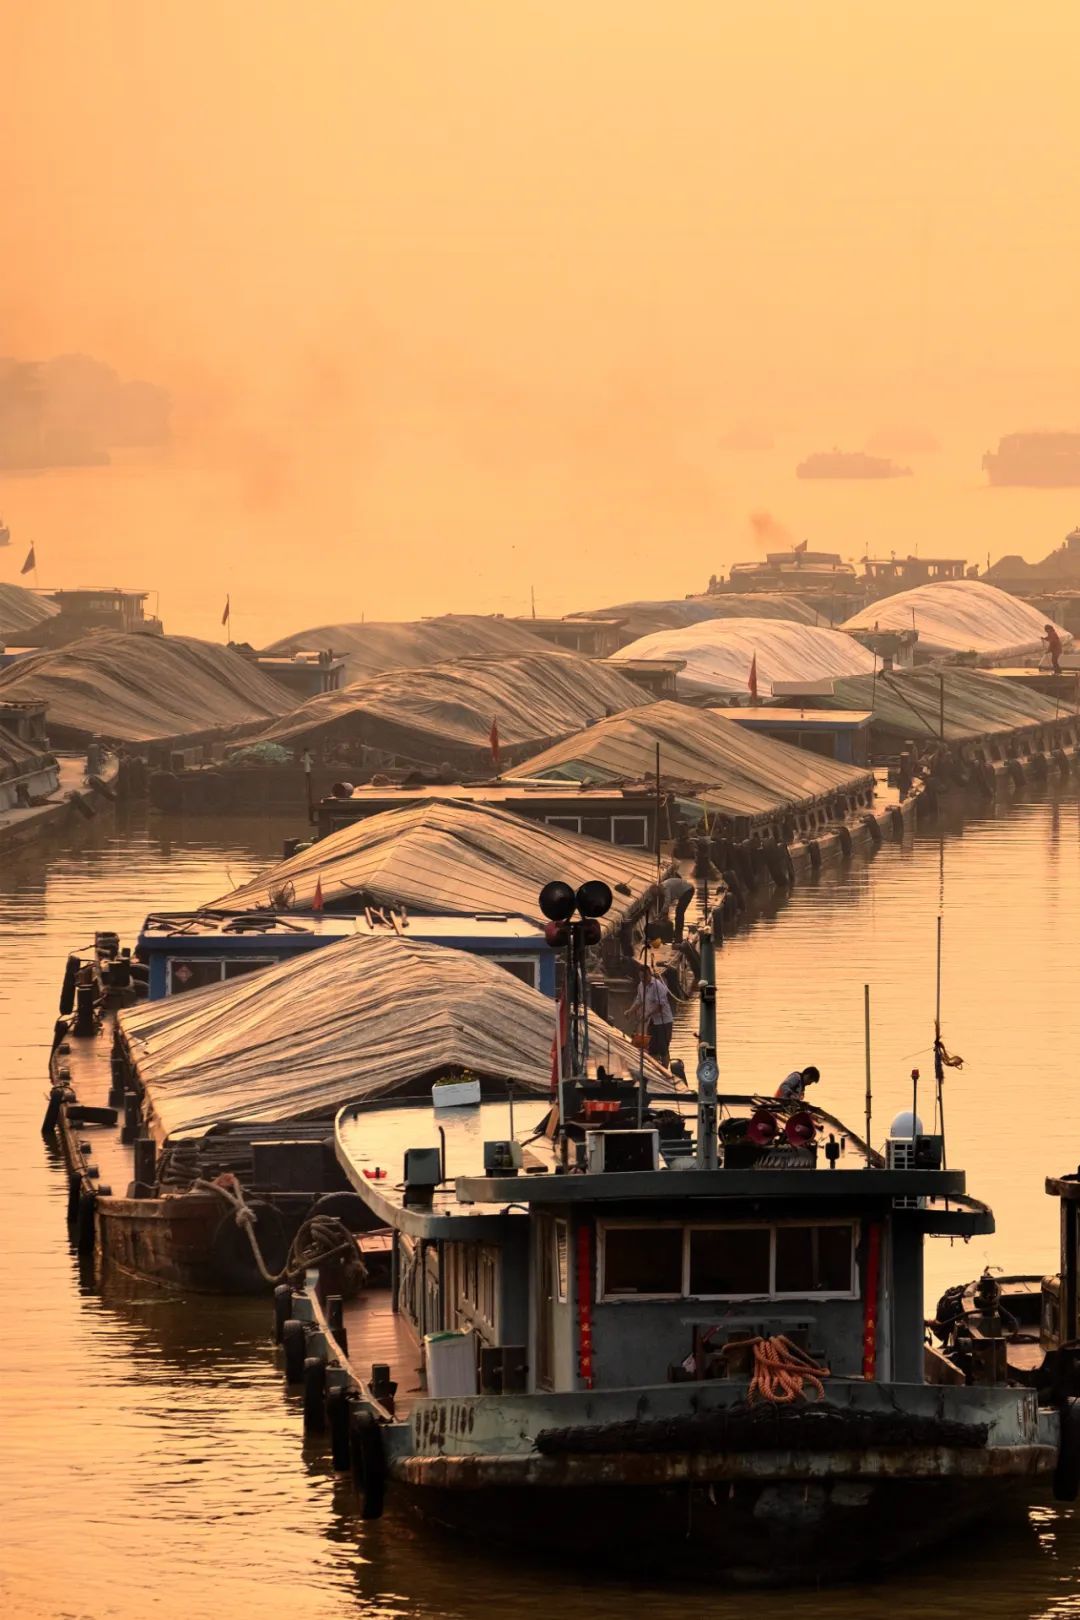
(652, 1006)
(793, 1087)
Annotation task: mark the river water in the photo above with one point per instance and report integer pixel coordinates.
(151, 1463)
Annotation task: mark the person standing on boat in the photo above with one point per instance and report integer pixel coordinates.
(793, 1087)
(652, 1007)
(677, 891)
(1053, 647)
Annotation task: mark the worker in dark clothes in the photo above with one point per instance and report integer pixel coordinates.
(1053, 647)
(793, 1087)
(677, 891)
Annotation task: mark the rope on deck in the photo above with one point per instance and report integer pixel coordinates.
(782, 1372)
(319, 1238)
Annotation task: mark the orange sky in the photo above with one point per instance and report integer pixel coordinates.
(480, 284)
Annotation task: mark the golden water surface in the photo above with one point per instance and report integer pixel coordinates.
(151, 1464)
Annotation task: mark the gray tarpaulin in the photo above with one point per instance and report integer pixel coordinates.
(446, 712)
(907, 703)
(449, 857)
(369, 649)
(719, 654)
(735, 771)
(143, 688)
(364, 1018)
(21, 609)
(960, 615)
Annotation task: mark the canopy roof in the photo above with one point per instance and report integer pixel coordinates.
(369, 649)
(144, 688)
(363, 1018)
(728, 768)
(960, 615)
(719, 652)
(445, 856)
(445, 713)
(642, 618)
(907, 703)
(21, 609)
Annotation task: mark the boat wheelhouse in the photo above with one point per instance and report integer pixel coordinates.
(687, 1330)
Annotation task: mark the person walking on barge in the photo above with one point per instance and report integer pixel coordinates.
(1053, 647)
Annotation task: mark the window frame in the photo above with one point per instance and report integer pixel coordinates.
(641, 820)
(851, 1223)
(514, 961)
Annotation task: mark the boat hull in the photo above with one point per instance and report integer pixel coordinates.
(803, 1526)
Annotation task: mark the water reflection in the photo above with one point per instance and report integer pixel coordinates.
(152, 1460)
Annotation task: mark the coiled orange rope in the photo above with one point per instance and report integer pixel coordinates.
(782, 1372)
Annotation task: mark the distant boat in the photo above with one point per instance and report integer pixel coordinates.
(849, 464)
(1047, 460)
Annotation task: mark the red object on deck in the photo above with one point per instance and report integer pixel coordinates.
(584, 1306)
(870, 1300)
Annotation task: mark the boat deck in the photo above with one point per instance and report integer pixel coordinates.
(89, 1062)
(377, 1333)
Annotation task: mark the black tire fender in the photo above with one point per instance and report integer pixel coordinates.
(282, 1309)
(294, 1344)
(368, 1462)
(1067, 1469)
(314, 1394)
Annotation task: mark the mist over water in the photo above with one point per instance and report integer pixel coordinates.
(152, 1462)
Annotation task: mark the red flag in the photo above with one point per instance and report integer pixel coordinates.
(752, 682)
(30, 564)
(225, 615)
(317, 901)
(800, 549)
(494, 739)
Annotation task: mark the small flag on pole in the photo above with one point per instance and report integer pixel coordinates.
(494, 739)
(317, 901)
(801, 548)
(30, 564)
(225, 615)
(752, 682)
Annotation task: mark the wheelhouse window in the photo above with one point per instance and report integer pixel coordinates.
(699, 1261)
(525, 968)
(730, 1260)
(193, 972)
(643, 1260)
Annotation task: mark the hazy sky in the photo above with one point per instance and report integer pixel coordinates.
(434, 280)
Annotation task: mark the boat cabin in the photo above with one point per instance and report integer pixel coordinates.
(96, 608)
(590, 635)
(841, 734)
(643, 1242)
(625, 817)
(187, 950)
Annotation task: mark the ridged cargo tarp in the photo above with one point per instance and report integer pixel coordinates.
(719, 653)
(960, 615)
(445, 713)
(360, 1019)
(134, 688)
(447, 857)
(642, 618)
(702, 755)
(21, 609)
(369, 649)
(16, 756)
(907, 703)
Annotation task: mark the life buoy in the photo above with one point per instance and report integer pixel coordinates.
(368, 1462)
(1067, 1469)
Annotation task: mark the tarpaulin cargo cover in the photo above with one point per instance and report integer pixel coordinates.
(719, 654)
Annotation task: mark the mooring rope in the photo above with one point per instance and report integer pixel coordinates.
(782, 1371)
(319, 1238)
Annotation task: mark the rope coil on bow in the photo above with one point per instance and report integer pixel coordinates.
(782, 1371)
(319, 1238)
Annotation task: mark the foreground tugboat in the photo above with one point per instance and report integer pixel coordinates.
(690, 1334)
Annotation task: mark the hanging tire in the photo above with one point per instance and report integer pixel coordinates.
(843, 837)
(896, 818)
(871, 824)
(84, 1219)
(230, 1249)
(314, 1394)
(813, 849)
(282, 1309)
(294, 1344)
(368, 1462)
(1067, 1470)
(338, 1407)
